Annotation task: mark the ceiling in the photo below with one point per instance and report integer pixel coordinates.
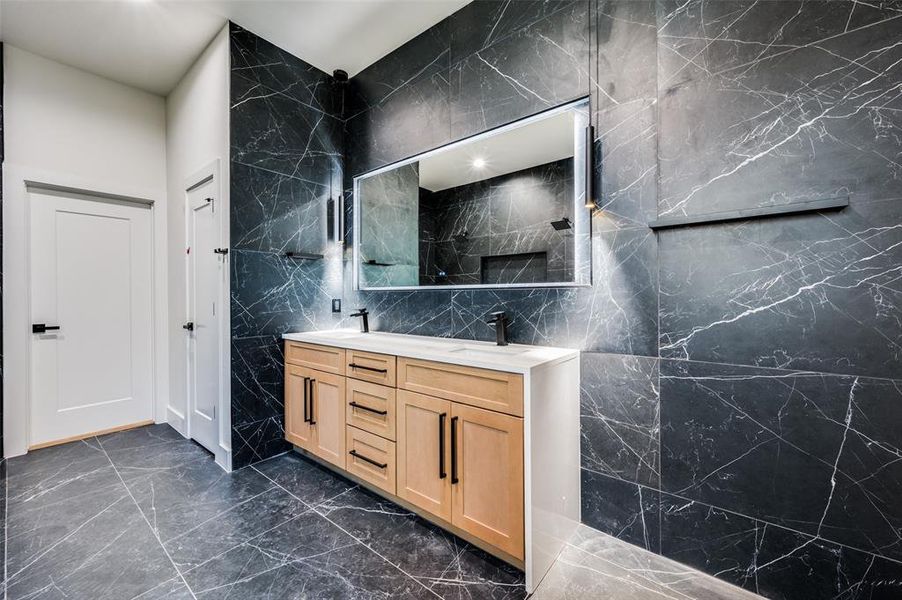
(508, 151)
(150, 44)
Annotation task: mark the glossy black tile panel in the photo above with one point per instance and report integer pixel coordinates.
(223, 531)
(437, 559)
(306, 557)
(620, 417)
(277, 213)
(258, 379)
(258, 60)
(272, 131)
(273, 294)
(625, 510)
(258, 440)
(482, 23)
(412, 120)
(812, 452)
(90, 561)
(533, 69)
(817, 292)
(415, 313)
(768, 103)
(424, 56)
(304, 479)
(772, 561)
(177, 500)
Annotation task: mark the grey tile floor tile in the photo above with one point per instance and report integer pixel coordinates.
(147, 515)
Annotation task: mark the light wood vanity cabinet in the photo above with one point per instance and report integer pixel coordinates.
(443, 439)
(424, 431)
(315, 412)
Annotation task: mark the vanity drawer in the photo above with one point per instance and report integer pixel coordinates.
(371, 458)
(321, 358)
(367, 366)
(371, 407)
(493, 390)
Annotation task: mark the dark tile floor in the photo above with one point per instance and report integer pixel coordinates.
(146, 514)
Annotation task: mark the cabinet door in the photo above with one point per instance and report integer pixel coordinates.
(487, 476)
(423, 432)
(298, 430)
(328, 417)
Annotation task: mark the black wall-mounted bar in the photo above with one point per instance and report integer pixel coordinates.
(590, 167)
(303, 256)
(751, 213)
(375, 263)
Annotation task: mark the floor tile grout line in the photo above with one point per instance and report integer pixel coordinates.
(221, 513)
(143, 516)
(250, 539)
(348, 533)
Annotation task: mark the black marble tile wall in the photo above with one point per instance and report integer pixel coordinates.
(286, 164)
(740, 382)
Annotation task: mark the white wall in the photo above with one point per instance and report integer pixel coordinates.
(67, 127)
(197, 112)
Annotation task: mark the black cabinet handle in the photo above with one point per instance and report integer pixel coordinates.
(42, 328)
(441, 446)
(454, 478)
(367, 408)
(312, 400)
(306, 397)
(356, 366)
(369, 460)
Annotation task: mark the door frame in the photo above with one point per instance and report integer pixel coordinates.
(223, 452)
(18, 184)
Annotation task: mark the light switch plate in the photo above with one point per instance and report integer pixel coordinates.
(336, 305)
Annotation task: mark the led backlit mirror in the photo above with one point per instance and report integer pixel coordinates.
(505, 208)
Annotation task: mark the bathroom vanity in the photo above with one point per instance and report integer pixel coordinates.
(480, 439)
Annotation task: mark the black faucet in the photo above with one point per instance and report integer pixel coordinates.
(365, 324)
(500, 321)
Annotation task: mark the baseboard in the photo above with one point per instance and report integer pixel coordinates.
(177, 420)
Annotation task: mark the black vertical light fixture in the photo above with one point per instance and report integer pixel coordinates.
(590, 129)
(335, 205)
(590, 164)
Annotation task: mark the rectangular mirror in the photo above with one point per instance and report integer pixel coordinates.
(505, 208)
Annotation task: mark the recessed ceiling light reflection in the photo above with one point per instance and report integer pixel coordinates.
(478, 163)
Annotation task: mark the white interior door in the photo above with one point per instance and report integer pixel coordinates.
(92, 277)
(205, 272)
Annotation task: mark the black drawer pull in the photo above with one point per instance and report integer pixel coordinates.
(312, 387)
(306, 399)
(454, 478)
(369, 460)
(356, 366)
(441, 446)
(367, 408)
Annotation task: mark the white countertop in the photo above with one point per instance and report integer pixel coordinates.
(514, 358)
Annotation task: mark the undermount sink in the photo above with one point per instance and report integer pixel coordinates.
(343, 335)
(488, 351)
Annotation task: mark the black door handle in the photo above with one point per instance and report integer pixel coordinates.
(306, 418)
(189, 326)
(356, 366)
(367, 408)
(441, 446)
(454, 478)
(43, 328)
(312, 400)
(369, 460)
